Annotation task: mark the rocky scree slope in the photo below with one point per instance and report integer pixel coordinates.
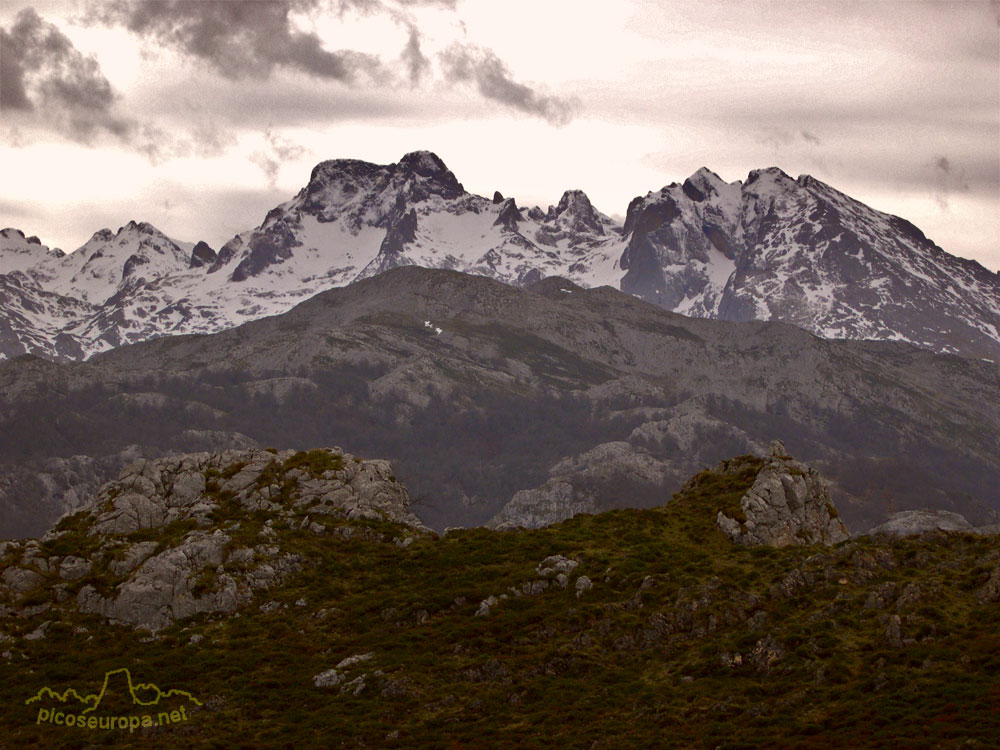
(477, 390)
(767, 248)
(645, 626)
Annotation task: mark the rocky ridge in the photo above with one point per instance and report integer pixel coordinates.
(380, 635)
(195, 533)
(477, 390)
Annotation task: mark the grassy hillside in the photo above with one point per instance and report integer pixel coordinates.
(684, 640)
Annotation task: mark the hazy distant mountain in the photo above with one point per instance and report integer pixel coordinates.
(771, 248)
(478, 391)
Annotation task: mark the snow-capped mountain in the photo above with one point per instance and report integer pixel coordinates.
(799, 251)
(771, 247)
(356, 219)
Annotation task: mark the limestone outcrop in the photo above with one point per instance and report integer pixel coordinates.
(788, 504)
(196, 533)
(912, 522)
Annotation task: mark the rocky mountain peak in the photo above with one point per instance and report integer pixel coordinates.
(101, 235)
(788, 504)
(772, 174)
(138, 227)
(575, 201)
(425, 163)
(509, 215)
(576, 213)
(703, 184)
(202, 255)
(12, 233)
(425, 166)
(19, 252)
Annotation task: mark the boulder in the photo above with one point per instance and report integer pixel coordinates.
(788, 504)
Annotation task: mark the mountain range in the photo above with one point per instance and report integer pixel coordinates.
(511, 405)
(767, 248)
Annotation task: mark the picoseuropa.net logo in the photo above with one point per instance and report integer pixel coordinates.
(120, 704)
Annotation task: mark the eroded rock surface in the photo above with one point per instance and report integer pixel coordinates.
(911, 522)
(183, 535)
(789, 503)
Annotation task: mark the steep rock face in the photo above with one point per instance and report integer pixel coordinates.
(554, 501)
(202, 255)
(683, 244)
(788, 504)
(211, 552)
(352, 220)
(98, 297)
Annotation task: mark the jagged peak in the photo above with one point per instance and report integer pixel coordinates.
(775, 174)
(141, 227)
(101, 235)
(705, 183)
(424, 162)
(576, 212)
(11, 231)
(202, 255)
(333, 170)
(575, 200)
(705, 176)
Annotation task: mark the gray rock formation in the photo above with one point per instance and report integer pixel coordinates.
(206, 554)
(912, 522)
(554, 501)
(608, 475)
(789, 503)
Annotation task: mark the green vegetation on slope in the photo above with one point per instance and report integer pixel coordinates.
(685, 640)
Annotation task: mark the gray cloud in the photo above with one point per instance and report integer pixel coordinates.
(948, 179)
(239, 38)
(243, 39)
(468, 63)
(42, 75)
(416, 63)
(279, 150)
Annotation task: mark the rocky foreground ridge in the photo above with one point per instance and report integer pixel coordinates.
(297, 598)
(195, 533)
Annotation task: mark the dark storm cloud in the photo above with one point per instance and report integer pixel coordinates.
(468, 63)
(44, 76)
(47, 85)
(240, 38)
(251, 39)
(416, 63)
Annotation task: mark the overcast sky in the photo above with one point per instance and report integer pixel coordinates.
(200, 116)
